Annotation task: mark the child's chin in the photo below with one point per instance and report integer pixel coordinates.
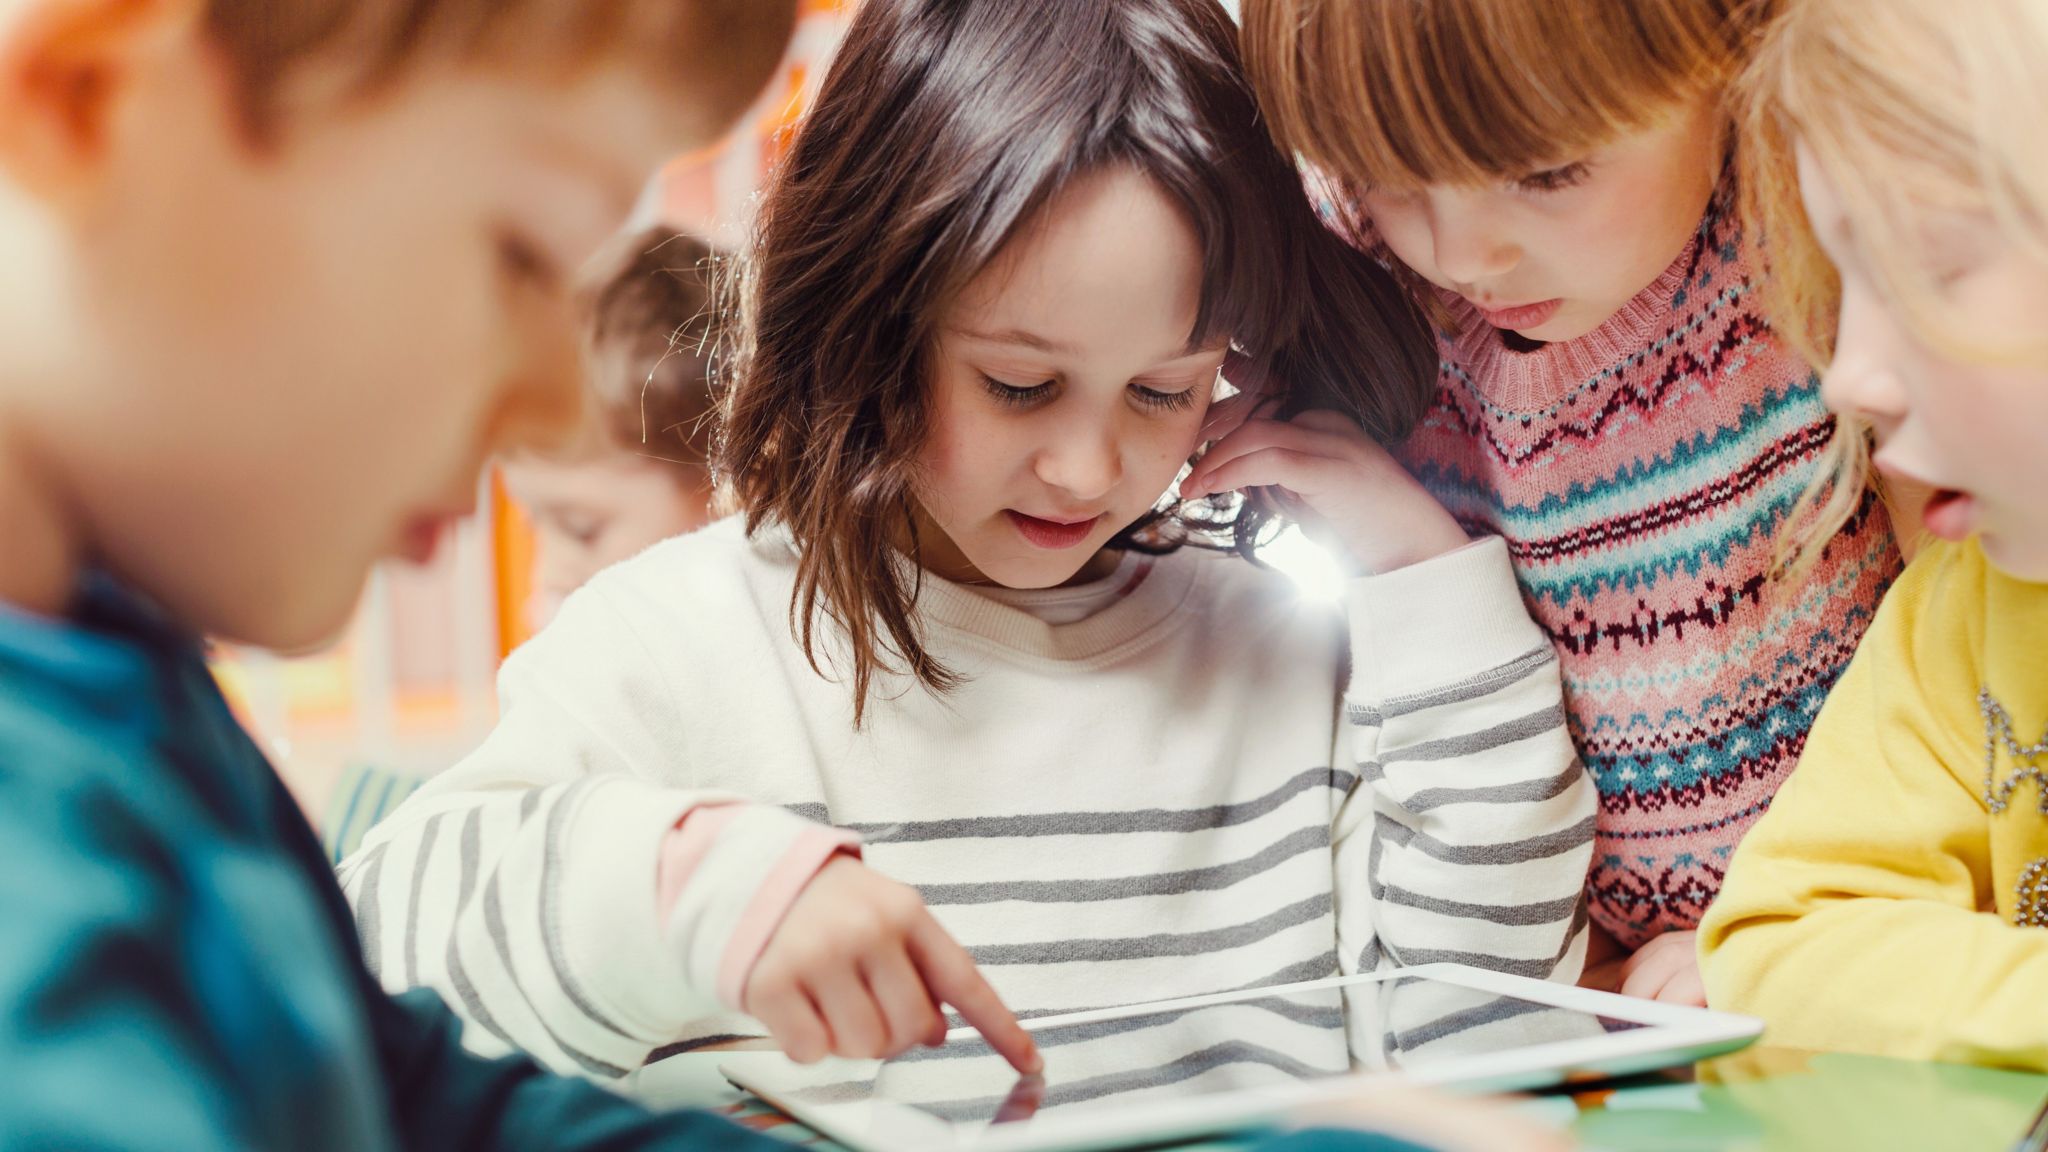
(1031, 572)
(289, 626)
(2022, 559)
(1023, 578)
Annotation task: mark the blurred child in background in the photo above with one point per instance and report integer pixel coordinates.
(641, 471)
(636, 473)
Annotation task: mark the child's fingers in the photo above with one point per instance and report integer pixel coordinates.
(1653, 966)
(1681, 983)
(1642, 979)
(1685, 988)
(793, 1020)
(850, 1013)
(952, 977)
(1605, 976)
(907, 1008)
(1255, 436)
(1325, 420)
(1299, 472)
(1227, 416)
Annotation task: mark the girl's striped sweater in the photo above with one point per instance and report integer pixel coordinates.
(1211, 783)
(1640, 475)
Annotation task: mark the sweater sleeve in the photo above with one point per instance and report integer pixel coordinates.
(1853, 914)
(522, 883)
(444, 1097)
(1469, 831)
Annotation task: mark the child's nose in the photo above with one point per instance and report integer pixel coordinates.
(1862, 379)
(1084, 464)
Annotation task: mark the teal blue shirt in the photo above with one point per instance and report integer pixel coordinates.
(178, 969)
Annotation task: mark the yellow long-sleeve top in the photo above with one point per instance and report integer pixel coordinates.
(1889, 901)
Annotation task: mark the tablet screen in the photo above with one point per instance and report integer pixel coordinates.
(1403, 1022)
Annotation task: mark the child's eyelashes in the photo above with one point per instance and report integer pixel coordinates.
(523, 260)
(1013, 395)
(1026, 396)
(1555, 179)
(1179, 401)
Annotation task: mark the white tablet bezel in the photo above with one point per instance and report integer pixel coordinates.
(1672, 1035)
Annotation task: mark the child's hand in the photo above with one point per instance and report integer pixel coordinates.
(1340, 484)
(860, 968)
(1666, 969)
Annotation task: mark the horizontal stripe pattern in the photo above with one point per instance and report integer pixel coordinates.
(1210, 810)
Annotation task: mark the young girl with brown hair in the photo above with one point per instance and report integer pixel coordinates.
(952, 714)
(1554, 181)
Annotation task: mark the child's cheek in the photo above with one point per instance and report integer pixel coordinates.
(1405, 232)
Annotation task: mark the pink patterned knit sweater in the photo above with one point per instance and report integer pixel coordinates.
(1640, 475)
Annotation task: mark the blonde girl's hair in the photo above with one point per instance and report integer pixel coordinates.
(1402, 93)
(1909, 107)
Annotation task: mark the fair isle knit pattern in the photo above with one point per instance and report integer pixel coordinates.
(1640, 475)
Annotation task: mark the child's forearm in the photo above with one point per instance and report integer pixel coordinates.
(532, 912)
(1471, 829)
(1911, 979)
(559, 920)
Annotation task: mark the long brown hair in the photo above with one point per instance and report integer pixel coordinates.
(941, 128)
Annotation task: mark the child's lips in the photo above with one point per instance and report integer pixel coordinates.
(1518, 316)
(1947, 514)
(420, 541)
(1950, 514)
(1054, 535)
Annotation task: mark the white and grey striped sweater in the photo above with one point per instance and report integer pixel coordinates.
(1210, 784)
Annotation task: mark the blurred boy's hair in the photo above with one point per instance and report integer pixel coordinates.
(648, 345)
(362, 45)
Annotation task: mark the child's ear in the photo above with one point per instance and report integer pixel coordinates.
(67, 68)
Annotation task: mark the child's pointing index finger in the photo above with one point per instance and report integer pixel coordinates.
(950, 974)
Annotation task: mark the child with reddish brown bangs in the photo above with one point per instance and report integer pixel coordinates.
(957, 712)
(1555, 182)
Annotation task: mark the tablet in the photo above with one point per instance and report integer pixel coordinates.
(1184, 1068)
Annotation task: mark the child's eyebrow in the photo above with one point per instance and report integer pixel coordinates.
(1039, 343)
(620, 183)
(1017, 336)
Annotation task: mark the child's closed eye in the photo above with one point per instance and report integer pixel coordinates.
(523, 260)
(1555, 179)
(1016, 395)
(1029, 395)
(577, 525)
(1170, 401)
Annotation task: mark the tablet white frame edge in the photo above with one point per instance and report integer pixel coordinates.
(1690, 1033)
